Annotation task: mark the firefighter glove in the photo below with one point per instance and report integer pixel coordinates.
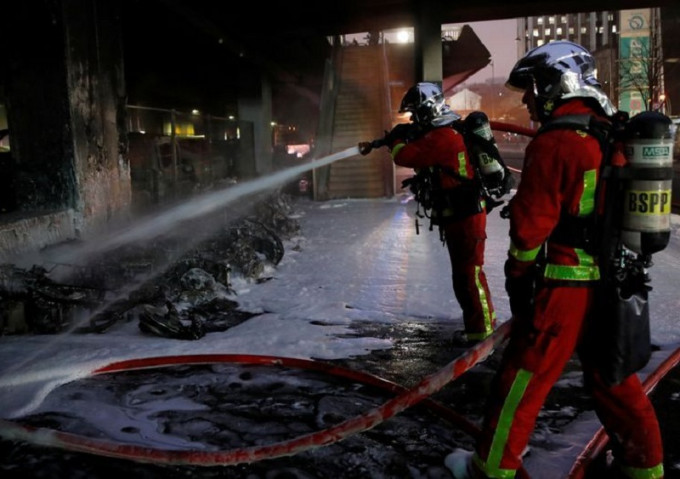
(505, 212)
(520, 284)
(400, 132)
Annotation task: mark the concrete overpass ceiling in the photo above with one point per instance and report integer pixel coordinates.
(301, 18)
(293, 33)
(203, 47)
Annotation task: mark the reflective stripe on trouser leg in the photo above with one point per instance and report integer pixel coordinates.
(472, 293)
(485, 302)
(491, 467)
(465, 241)
(538, 349)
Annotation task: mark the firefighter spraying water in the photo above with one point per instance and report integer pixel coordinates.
(491, 174)
(458, 171)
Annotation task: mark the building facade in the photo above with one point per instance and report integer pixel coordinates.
(631, 48)
(596, 31)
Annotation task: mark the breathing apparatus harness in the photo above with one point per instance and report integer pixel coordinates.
(630, 222)
(491, 181)
(493, 174)
(442, 205)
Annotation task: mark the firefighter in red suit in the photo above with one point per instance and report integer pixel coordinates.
(550, 304)
(430, 142)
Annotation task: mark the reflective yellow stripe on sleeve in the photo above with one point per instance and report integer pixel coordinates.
(587, 202)
(523, 255)
(396, 149)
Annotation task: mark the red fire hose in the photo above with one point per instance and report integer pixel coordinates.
(406, 398)
(510, 128)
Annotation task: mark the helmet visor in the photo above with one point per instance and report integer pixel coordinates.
(519, 81)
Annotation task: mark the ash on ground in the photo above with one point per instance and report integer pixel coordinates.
(223, 407)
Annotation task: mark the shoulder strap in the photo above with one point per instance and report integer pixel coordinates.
(604, 131)
(470, 139)
(585, 122)
(586, 232)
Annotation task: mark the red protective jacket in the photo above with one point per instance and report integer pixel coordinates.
(560, 176)
(438, 147)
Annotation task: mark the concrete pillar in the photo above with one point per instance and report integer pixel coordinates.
(97, 100)
(428, 43)
(255, 107)
(66, 106)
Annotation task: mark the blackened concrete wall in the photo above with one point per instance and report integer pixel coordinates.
(65, 93)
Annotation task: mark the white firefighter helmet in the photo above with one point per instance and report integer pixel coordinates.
(558, 71)
(425, 101)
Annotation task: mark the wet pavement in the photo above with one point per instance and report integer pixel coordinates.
(224, 407)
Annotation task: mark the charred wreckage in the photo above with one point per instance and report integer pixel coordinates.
(170, 290)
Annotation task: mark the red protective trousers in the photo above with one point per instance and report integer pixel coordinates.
(465, 241)
(536, 354)
(559, 180)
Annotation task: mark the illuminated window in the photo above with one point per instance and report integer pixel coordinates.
(558, 31)
(540, 42)
(551, 20)
(584, 30)
(539, 21)
(548, 32)
(535, 32)
(571, 30)
(563, 19)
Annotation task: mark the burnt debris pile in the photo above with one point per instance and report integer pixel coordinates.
(173, 287)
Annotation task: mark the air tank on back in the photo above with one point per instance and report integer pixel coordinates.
(485, 153)
(648, 147)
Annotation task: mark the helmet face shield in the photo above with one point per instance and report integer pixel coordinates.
(426, 103)
(558, 70)
(420, 95)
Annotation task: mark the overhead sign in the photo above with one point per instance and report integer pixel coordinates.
(634, 48)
